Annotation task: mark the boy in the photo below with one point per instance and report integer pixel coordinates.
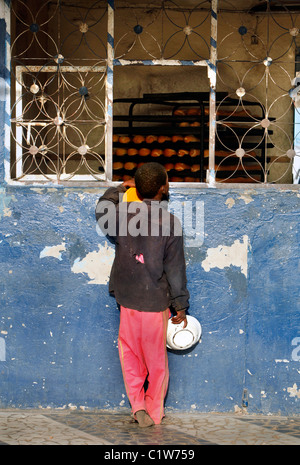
(148, 277)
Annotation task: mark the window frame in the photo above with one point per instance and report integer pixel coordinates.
(88, 180)
(19, 122)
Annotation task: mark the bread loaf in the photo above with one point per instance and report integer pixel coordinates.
(144, 152)
(129, 165)
(181, 166)
(193, 111)
(169, 166)
(138, 139)
(117, 165)
(124, 139)
(194, 153)
(162, 139)
(156, 152)
(132, 152)
(179, 112)
(176, 138)
(169, 152)
(121, 152)
(150, 139)
(190, 138)
(182, 152)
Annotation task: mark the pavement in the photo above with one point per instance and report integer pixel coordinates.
(117, 430)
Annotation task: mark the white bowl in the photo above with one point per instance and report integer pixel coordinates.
(179, 338)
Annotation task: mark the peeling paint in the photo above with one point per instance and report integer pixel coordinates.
(96, 264)
(38, 190)
(225, 256)
(246, 198)
(4, 203)
(81, 196)
(294, 391)
(7, 212)
(53, 251)
(2, 350)
(230, 202)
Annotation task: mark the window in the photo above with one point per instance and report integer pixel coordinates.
(210, 88)
(59, 70)
(59, 126)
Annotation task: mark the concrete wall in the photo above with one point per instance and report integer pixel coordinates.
(59, 326)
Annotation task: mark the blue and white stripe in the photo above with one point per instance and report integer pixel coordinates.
(109, 90)
(212, 74)
(5, 86)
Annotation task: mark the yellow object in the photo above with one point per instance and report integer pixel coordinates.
(131, 195)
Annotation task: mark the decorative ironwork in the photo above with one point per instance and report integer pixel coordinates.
(64, 52)
(256, 66)
(59, 115)
(165, 30)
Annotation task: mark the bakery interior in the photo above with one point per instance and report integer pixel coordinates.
(179, 96)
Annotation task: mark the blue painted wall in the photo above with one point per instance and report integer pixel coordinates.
(59, 328)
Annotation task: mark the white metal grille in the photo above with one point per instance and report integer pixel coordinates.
(63, 58)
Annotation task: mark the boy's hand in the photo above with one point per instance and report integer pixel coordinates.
(129, 183)
(181, 316)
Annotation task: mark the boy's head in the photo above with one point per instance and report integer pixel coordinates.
(151, 181)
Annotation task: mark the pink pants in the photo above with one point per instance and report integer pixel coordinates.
(142, 350)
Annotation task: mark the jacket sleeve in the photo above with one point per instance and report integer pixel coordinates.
(106, 211)
(175, 269)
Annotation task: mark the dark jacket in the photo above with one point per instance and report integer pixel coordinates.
(148, 273)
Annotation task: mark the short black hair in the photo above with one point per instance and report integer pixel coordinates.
(149, 177)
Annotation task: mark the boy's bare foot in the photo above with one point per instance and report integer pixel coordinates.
(144, 420)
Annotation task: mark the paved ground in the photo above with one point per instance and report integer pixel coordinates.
(52, 427)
